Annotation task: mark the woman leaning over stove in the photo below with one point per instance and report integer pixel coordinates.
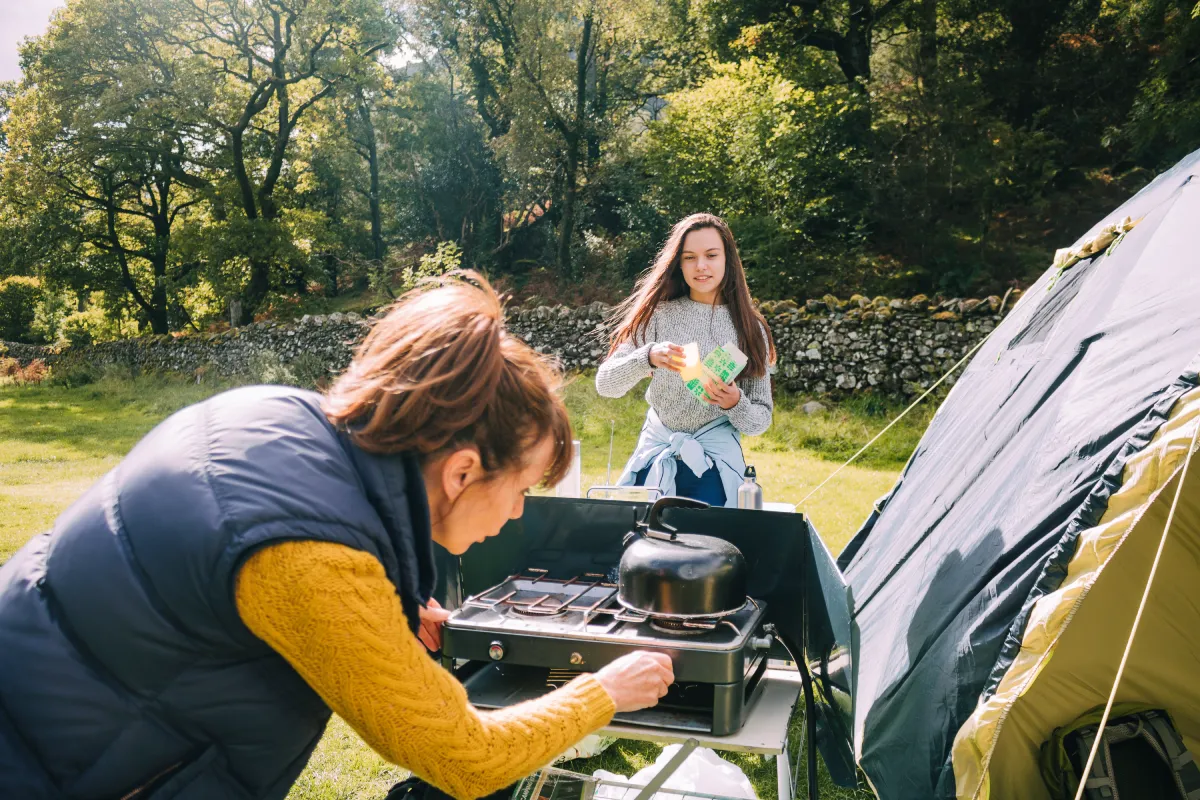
(696, 291)
(266, 556)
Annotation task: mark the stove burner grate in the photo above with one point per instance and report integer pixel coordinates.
(532, 593)
(687, 627)
(552, 603)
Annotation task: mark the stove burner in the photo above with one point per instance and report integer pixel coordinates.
(680, 627)
(536, 609)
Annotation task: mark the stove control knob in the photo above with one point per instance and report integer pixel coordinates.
(576, 660)
(496, 651)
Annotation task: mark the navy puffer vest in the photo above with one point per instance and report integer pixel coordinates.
(123, 662)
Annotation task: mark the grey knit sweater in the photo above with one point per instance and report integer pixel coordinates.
(680, 322)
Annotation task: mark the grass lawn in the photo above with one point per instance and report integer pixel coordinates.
(55, 441)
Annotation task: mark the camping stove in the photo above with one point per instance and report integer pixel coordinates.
(534, 631)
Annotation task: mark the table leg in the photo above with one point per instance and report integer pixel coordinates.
(783, 776)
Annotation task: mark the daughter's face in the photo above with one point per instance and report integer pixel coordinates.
(703, 262)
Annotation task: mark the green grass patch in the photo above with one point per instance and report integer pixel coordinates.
(55, 441)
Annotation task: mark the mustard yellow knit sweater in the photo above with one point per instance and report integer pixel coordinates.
(332, 613)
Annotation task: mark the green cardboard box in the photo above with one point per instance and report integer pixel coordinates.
(723, 363)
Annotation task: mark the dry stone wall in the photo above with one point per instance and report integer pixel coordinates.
(826, 346)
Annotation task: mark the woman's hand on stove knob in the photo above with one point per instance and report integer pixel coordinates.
(432, 617)
(637, 680)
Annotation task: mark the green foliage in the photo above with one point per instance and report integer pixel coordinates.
(19, 299)
(447, 257)
(149, 156)
(51, 310)
(306, 370)
(778, 160)
(75, 375)
(83, 328)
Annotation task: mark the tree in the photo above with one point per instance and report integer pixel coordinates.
(19, 296)
(441, 181)
(272, 62)
(778, 160)
(99, 155)
(553, 80)
(848, 30)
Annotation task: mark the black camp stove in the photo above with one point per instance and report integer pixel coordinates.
(541, 597)
(535, 630)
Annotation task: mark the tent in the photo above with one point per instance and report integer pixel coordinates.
(989, 596)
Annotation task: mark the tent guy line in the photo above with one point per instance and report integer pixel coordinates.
(903, 413)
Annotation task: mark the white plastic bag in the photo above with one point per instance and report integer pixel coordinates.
(703, 771)
(587, 747)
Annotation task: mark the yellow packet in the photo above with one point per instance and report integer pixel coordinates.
(691, 363)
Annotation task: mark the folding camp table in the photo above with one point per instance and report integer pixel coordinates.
(765, 732)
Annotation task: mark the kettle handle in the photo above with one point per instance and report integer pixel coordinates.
(653, 520)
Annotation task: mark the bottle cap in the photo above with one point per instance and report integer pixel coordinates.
(750, 472)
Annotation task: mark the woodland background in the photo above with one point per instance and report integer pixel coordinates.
(181, 165)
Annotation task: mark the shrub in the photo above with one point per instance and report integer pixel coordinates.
(35, 371)
(74, 376)
(84, 328)
(48, 318)
(19, 298)
(306, 370)
(11, 371)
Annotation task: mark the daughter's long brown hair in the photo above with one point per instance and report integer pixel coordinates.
(664, 281)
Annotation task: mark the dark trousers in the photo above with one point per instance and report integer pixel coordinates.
(707, 488)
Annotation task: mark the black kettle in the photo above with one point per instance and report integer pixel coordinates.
(675, 575)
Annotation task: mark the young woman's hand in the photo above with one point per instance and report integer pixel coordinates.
(637, 680)
(723, 395)
(667, 356)
(430, 633)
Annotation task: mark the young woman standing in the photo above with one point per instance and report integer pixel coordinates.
(695, 292)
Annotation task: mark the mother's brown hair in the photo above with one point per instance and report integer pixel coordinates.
(664, 281)
(441, 372)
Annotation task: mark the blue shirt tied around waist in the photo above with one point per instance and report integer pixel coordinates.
(660, 450)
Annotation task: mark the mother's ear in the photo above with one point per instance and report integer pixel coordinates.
(459, 470)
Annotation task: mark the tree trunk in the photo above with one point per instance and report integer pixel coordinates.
(157, 310)
(567, 221)
(246, 189)
(256, 291)
(332, 272)
(260, 270)
(927, 53)
(116, 248)
(853, 48)
(161, 252)
(364, 113)
(573, 139)
(300, 282)
(599, 104)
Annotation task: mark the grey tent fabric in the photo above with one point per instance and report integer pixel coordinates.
(1020, 458)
